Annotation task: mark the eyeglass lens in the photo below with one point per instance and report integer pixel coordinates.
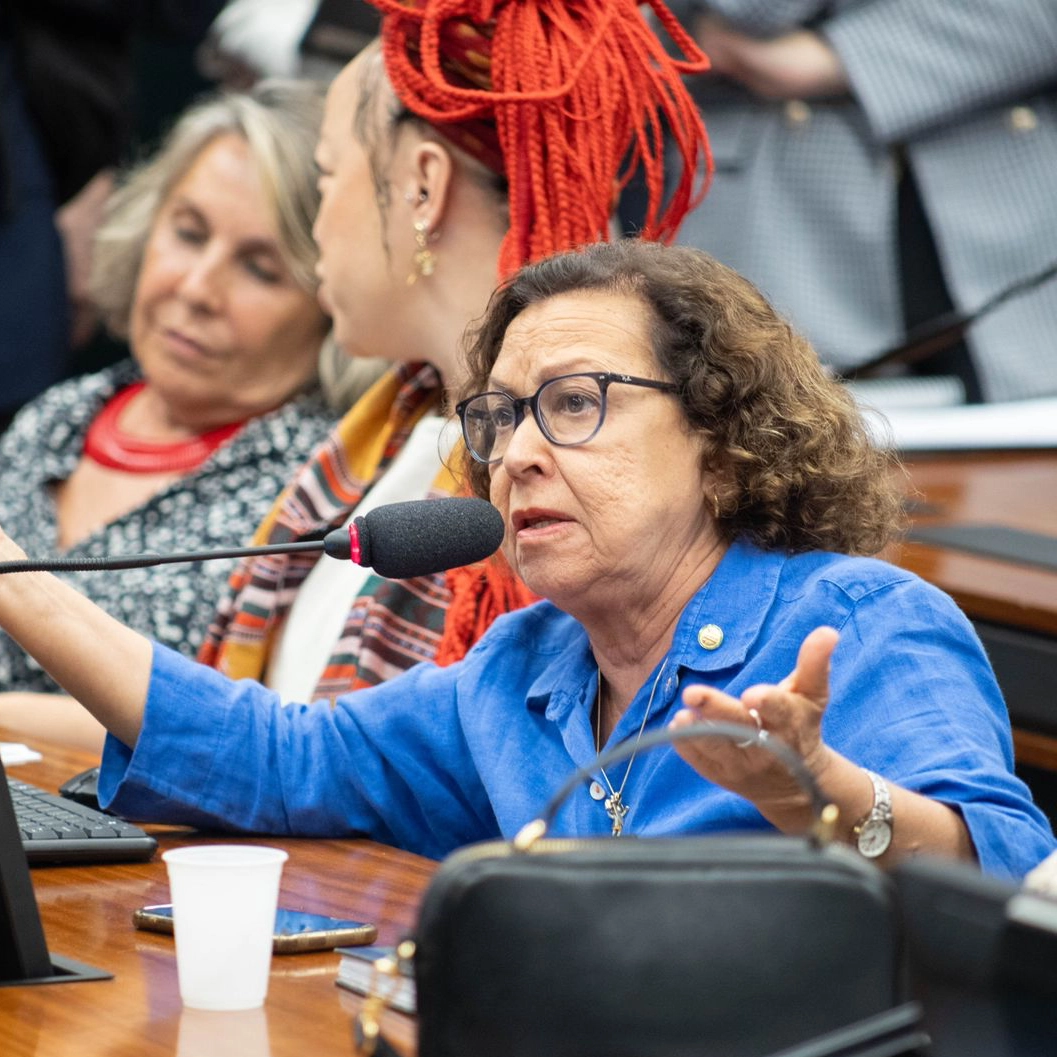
(568, 410)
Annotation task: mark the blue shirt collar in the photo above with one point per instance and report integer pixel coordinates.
(735, 599)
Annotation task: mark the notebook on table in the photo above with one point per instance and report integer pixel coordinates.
(356, 972)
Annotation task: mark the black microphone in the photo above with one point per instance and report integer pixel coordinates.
(398, 541)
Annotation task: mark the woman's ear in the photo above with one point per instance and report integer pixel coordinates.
(429, 183)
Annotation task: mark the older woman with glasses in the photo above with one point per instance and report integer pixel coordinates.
(691, 495)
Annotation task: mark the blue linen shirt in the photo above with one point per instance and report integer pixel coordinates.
(440, 757)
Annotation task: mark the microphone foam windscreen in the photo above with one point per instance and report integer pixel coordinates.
(419, 537)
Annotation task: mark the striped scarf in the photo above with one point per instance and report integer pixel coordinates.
(391, 625)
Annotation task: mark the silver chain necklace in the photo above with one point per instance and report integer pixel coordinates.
(614, 804)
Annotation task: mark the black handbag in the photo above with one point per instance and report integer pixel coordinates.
(733, 946)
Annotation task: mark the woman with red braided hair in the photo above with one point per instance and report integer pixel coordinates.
(472, 138)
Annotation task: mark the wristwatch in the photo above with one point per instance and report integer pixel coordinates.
(873, 834)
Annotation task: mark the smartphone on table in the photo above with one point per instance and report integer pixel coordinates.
(295, 930)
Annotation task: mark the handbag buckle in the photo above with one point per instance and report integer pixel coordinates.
(385, 976)
(824, 827)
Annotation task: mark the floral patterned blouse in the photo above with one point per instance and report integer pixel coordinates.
(219, 505)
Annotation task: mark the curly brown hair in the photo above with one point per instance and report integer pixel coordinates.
(795, 466)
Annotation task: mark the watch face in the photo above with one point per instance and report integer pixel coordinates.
(874, 838)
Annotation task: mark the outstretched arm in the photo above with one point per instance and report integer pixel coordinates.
(57, 718)
(792, 710)
(93, 657)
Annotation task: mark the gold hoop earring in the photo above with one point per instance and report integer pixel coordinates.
(425, 260)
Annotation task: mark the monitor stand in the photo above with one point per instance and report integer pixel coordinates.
(24, 956)
(63, 971)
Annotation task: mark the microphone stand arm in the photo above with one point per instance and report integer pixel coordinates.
(141, 561)
(940, 333)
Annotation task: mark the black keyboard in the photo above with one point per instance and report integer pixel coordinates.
(57, 830)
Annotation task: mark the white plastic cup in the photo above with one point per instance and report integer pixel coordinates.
(224, 898)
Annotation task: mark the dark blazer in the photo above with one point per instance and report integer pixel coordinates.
(73, 61)
(804, 200)
(66, 107)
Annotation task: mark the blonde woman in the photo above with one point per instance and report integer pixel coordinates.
(206, 264)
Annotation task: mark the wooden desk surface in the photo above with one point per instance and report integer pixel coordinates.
(1018, 489)
(87, 915)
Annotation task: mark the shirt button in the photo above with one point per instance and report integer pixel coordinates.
(596, 791)
(1022, 119)
(797, 113)
(710, 637)
(669, 684)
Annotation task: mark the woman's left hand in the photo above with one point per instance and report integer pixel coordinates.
(790, 710)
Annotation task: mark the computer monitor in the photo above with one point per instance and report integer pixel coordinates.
(24, 955)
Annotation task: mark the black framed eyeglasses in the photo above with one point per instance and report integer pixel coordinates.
(569, 410)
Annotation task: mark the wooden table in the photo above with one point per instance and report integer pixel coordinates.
(1018, 489)
(87, 915)
(1012, 605)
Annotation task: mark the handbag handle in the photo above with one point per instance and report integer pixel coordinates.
(368, 1040)
(826, 814)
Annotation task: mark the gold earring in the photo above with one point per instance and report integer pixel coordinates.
(715, 505)
(425, 259)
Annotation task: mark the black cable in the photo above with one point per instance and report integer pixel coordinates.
(666, 735)
(937, 334)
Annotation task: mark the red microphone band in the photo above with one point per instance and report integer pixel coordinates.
(355, 550)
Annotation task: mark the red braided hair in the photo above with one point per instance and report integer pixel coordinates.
(567, 98)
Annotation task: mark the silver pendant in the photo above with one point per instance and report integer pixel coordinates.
(616, 809)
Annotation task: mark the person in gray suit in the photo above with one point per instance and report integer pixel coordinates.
(881, 161)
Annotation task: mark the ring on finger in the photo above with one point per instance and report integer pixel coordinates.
(756, 738)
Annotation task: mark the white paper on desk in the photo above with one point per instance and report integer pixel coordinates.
(906, 393)
(970, 427)
(14, 752)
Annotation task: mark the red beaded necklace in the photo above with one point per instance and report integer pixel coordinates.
(106, 443)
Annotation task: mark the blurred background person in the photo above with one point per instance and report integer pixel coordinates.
(880, 162)
(81, 82)
(253, 39)
(206, 263)
(250, 39)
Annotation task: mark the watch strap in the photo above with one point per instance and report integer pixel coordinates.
(880, 812)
